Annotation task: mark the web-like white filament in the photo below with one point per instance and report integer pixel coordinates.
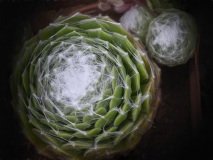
(75, 81)
(130, 16)
(168, 34)
(136, 20)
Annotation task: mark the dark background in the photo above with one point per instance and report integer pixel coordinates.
(15, 14)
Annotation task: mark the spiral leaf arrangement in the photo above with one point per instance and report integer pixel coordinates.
(84, 88)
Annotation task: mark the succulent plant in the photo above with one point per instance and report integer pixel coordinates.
(84, 88)
(172, 37)
(136, 20)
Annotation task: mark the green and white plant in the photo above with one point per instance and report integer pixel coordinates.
(84, 88)
(136, 20)
(172, 37)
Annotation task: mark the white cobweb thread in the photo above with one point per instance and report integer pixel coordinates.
(75, 79)
(130, 16)
(76, 76)
(168, 34)
(168, 39)
(136, 20)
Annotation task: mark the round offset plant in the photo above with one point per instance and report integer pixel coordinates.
(171, 38)
(136, 20)
(83, 88)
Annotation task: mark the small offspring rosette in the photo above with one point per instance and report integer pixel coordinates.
(136, 20)
(172, 37)
(84, 88)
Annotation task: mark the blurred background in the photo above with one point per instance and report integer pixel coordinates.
(15, 15)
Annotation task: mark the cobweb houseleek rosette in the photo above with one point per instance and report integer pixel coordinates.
(140, 17)
(83, 88)
(172, 37)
